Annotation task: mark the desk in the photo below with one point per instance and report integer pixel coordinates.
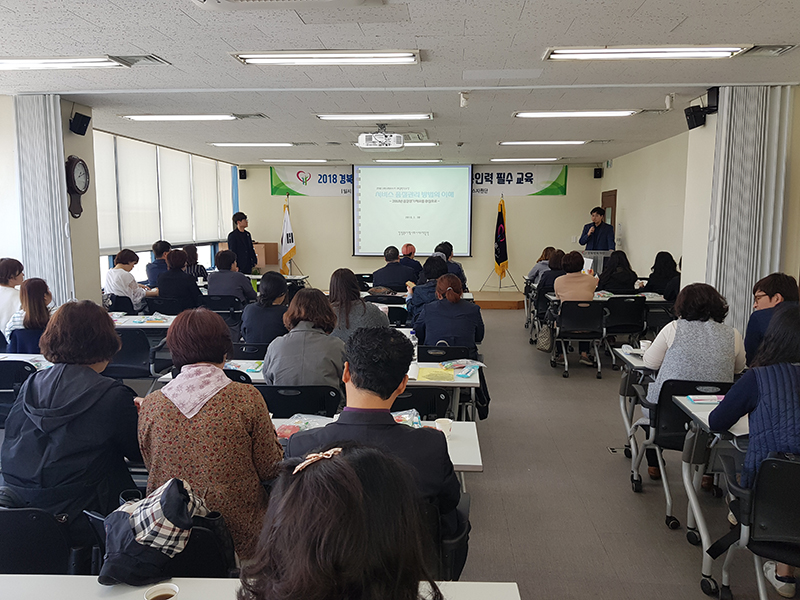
(85, 587)
(468, 296)
(37, 360)
(140, 322)
(650, 298)
(696, 454)
(631, 363)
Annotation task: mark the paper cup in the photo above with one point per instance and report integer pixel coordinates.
(644, 345)
(445, 426)
(162, 591)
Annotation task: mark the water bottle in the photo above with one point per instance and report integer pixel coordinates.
(414, 342)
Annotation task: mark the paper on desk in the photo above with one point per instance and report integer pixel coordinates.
(435, 374)
(705, 399)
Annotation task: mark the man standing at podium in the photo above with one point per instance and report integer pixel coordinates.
(598, 235)
(241, 243)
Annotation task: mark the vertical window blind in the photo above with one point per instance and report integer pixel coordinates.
(175, 179)
(105, 185)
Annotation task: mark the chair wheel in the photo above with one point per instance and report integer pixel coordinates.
(553, 363)
(627, 452)
(709, 586)
(717, 492)
(530, 341)
(599, 375)
(615, 367)
(725, 593)
(672, 522)
(693, 537)
(636, 485)
(565, 374)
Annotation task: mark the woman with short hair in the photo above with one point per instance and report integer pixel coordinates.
(576, 286)
(351, 311)
(120, 282)
(262, 321)
(210, 431)
(176, 284)
(450, 319)
(71, 429)
(541, 265)
(308, 354)
(409, 251)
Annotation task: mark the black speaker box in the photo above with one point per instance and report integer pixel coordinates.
(598, 173)
(242, 173)
(79, 123)
(695, 116)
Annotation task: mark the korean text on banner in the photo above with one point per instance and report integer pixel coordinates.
(288, 247)
(519, 180)
(312, 181)
(500, 246)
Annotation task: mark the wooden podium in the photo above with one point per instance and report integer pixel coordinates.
(266, 255)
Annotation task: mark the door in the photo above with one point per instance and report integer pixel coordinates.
(609, 203)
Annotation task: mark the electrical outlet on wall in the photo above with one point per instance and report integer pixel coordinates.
(574, 239)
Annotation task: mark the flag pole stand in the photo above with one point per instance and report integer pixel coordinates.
(291, 265)
(500, 285)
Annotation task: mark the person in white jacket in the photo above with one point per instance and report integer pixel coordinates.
(120, 282)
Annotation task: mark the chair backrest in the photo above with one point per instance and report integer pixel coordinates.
(430, 402)
(442, 353)
(584, 317)
(382, 299)
(285, 401)
(658, 316)
(203, 556)
(165, 306)
(776, 493)
(32, 541)
(625, 314)
(398, 315)
(120, 304)
(238, 376)
(133, 359)
(668, 419)
(25, 341)
(248, 351)
(219, 303)
(365, 280)
(13, 374)
(97, 521)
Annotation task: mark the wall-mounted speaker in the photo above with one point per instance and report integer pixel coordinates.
(598, 172)
(79, 123)
(695, 116)
(242, 173)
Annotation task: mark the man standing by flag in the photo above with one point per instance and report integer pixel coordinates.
(500, 247)
(288, 247)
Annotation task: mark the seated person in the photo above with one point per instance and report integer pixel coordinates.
(193, 266)
(262, 321)
(159, 265)
(362, 503)
(176, 284)
(394, 275)
(617, 276)
(308, 354)
(768, 293)
(697, 346)
(227, 281)
(769, 393)
(70, 429)
(425, 293)
(351, 311)
(453, 267)
(576, 286)
(120, 282)
(663, 271)
(375, 374)
(11, 276)
(35, 297)
(450, 319)
(548, 278)
(211, 431)
(409, 252)
(541, 265)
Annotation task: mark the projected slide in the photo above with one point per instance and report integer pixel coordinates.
(420, 205)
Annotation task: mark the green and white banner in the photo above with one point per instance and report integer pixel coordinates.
(519, 180)
(312, 181)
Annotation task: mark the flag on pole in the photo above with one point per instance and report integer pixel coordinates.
(288, 247)
(500, 247)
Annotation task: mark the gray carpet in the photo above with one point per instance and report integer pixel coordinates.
(553, 509)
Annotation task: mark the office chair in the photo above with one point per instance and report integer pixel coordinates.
(32, 541)
(13, 374)
(625, 315)
(578, 322)
(442, 353)
(120, 304)
(165, 306)
(25, 341)
(136, 359)
(382, 299)
(285, 401)
(248, 351)
(398, 316)
(430, 402)
(448, 554)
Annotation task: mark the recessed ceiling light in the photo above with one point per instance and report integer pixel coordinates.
(543, 143)
(299, 161)
(35, 64)
(407, 160)
(672, 52)
(554, 114)
(252, 144)
(377, 117)
(523, 160)
(179, 117)
(330, 57)
(420, 144)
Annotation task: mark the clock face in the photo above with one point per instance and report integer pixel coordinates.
(81, 176)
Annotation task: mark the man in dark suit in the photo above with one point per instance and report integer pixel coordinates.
(375, 373)
(393, 275)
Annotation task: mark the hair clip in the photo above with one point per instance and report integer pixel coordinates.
(314, 457)
(449, 289)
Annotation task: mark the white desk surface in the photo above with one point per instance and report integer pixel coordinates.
(634, 361)
(699, 414)
(37, 360)
(286, 277)
(85, 587)
(602, 297)
(465, 296)
(140, 322)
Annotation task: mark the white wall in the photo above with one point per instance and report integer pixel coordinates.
(10, 229)
(790, 259)
(323, 227)
(651, 186)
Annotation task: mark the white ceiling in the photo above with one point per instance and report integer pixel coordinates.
(463, 45)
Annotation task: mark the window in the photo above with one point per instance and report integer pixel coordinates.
(205, 255)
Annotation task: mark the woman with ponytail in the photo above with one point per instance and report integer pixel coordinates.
(450, 319)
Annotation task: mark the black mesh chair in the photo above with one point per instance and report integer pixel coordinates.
(430, 402)
(625, 315)
(165, 306)
(248, 351)
(25, 341)
(136, 359)
(32, 541)
(442, 353)
(579, 322)
(13, 374)
(398, 316)
(667, 429)
(227, 307)
(120, 304)
(285, 401)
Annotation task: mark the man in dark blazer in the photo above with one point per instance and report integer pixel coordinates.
(393, 275)
(375, 373)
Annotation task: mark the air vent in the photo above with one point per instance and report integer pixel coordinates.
(769, 50)
(250, 116)
(143, 60)
(416, 136)
(274, 4)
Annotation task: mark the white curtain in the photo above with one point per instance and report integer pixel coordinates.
(46, 249)
(748, 192)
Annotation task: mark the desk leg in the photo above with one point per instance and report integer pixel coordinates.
(626, 404)
(694, 455)
(455, 402)
(462, 478)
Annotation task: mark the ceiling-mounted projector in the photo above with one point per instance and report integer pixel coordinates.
(380, 141)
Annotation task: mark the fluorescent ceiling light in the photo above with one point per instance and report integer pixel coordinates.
(299, 161)
(554, 114)
(407, 160)
(179, 117)
(330, 57)
(420, 144)
(543, 143)
(35, 64)
(523, 160)
(675, 52)
(377, 117)
(252, 144)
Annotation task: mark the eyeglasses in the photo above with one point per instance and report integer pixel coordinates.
(758, 296)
